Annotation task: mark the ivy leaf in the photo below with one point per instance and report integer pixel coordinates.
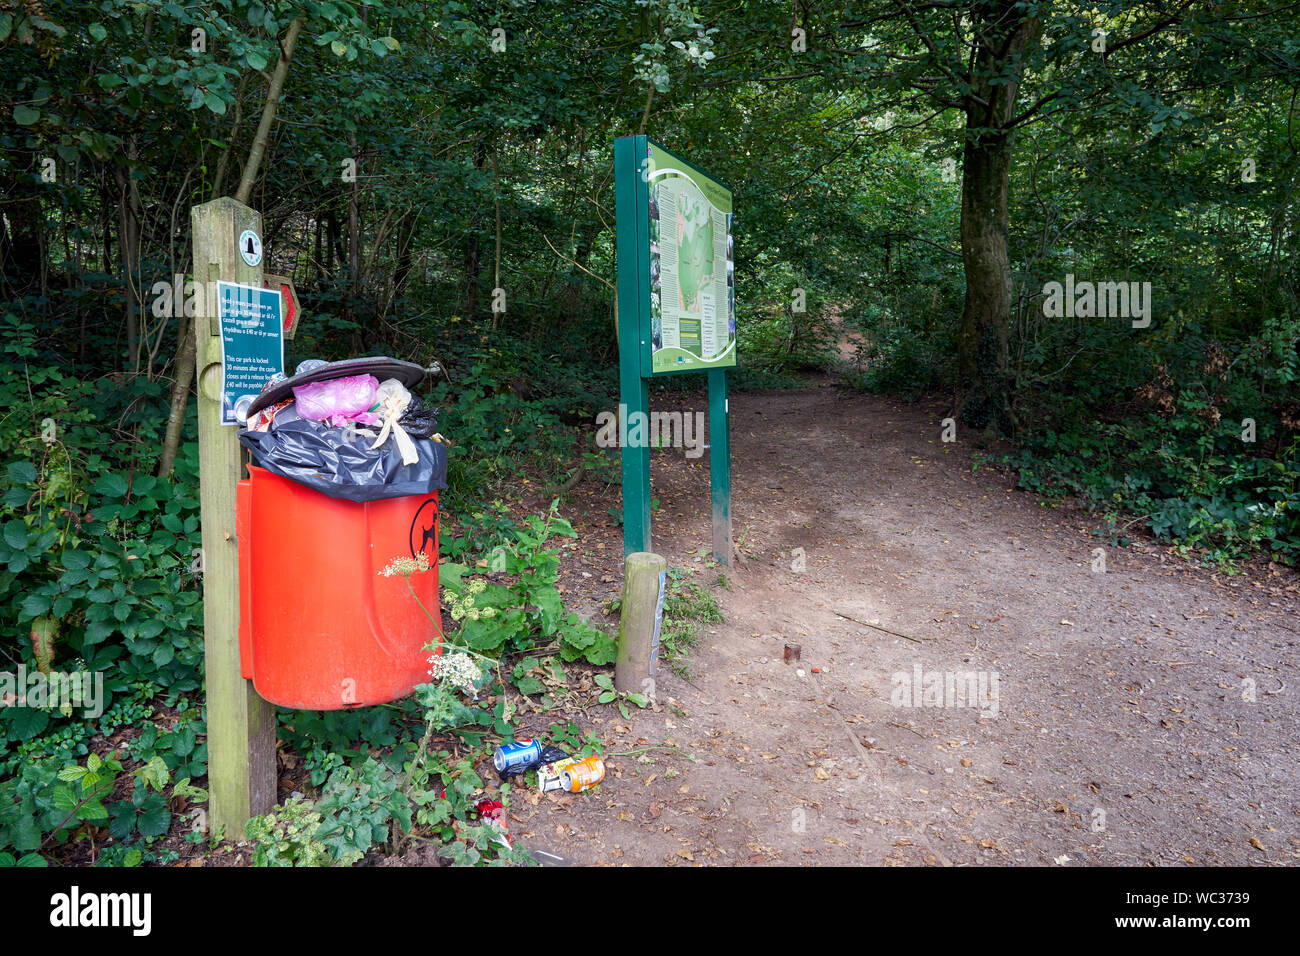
(97, 31)
(25, 115)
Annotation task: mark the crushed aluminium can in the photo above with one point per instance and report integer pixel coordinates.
(522, 754)
(582, 775)
(549, 774)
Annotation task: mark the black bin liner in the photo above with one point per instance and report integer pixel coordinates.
(418, 421)
(322, 458)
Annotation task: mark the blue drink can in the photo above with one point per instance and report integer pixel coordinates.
(521, 754)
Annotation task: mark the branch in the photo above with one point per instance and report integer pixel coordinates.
(578, 265)
(258, 149)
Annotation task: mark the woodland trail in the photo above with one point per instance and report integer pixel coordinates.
(1123, 732)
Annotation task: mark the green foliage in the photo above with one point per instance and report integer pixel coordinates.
(46, 802)
(528, 611)
(609, 694)
(106, 562)
(43, 804)
(688, 605)
(287, 837)
(570, 736)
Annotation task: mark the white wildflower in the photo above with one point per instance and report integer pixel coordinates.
(407, 566)
(456, 669)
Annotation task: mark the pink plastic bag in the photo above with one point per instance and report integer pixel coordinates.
(339, 401)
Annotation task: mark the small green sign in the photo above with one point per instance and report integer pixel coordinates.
(252, 342)
(692, 266)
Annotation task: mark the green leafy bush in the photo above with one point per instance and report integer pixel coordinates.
(528, 611)
(111, 571)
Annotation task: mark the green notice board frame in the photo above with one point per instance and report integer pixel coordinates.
(639, 162)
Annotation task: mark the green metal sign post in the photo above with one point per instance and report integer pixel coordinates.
(676, 313)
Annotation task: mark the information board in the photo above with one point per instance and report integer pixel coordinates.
(676, 312)
(252, 342)
(692, 267)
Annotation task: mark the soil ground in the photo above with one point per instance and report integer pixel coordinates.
(1145, 712)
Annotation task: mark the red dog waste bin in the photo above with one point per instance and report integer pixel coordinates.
(319, 627)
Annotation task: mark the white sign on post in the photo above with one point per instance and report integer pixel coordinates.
(250, 247)
(252, 343)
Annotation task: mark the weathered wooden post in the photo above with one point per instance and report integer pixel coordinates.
(638, 626)
(241, 725)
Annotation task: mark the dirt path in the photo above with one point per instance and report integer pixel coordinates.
(1122, 732)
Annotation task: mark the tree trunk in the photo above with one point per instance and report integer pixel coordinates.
(496, 255)
(128, 233)
(983, 395)
(21, 264)
(472, 264)
(334, 241)
(180, 398)
(405, 254)
(350, 310)
(318, 227)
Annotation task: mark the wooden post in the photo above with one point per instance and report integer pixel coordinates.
(241, 725)
(720, 465)
(638, 626)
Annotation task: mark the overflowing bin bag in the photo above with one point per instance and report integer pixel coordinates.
(305, 428)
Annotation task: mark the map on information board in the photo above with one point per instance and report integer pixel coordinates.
(692, 267)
